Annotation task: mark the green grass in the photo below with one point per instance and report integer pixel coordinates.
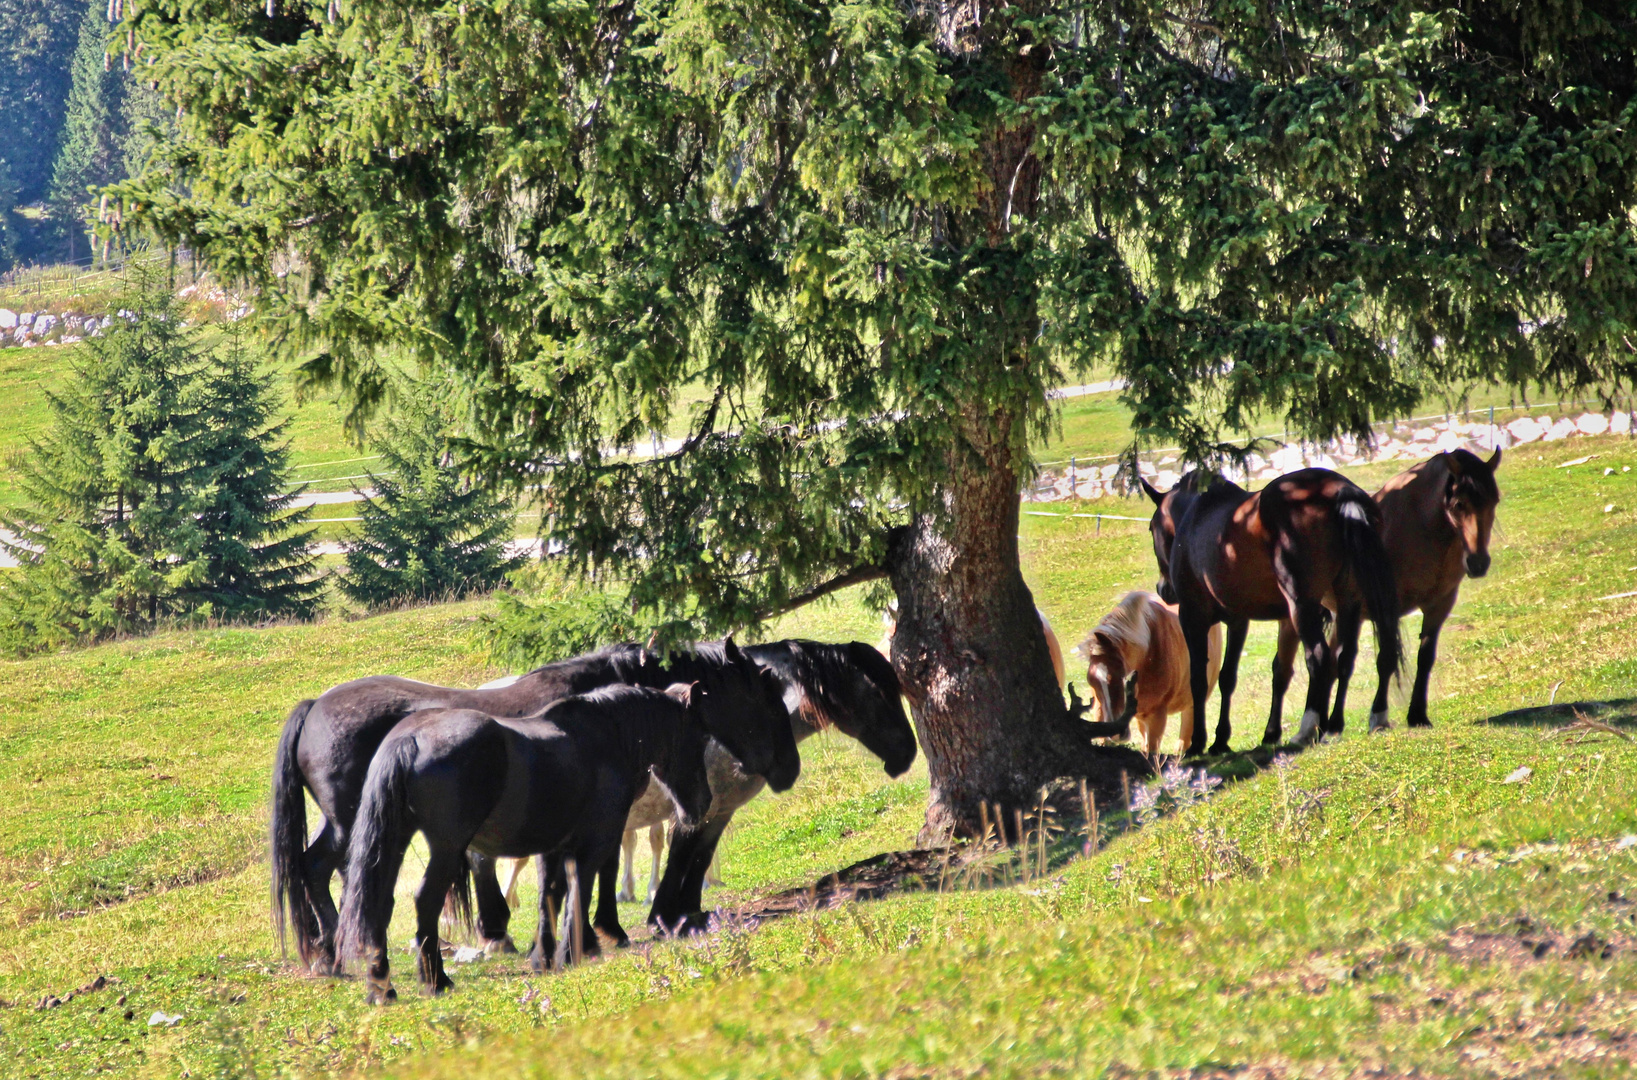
(1240, 932)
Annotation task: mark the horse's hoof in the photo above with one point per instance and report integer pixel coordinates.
(1221, 748)
(499, 946)
(444, 983)
(377, 996)
(625, 896)
(1379, 721)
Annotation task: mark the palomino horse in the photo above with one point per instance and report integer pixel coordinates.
(561, 781)
(1436, 518)
(1305, 545)
(1143, 637)
(327, 746)
(846, 686)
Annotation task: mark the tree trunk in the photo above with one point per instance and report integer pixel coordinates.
(971, 654)
(968, 647)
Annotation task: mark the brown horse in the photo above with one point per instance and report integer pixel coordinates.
(1143, 637)
(1302, 547)
(1436, 518)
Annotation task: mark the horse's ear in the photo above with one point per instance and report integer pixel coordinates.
(730, 650)
(1452, 462)
(1495, 460)
(1151, 491)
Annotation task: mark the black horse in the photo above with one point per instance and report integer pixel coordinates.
(1306, 544)
(327, 746)
(562, 782)
(850, 687)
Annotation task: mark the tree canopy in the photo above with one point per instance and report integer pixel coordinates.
(874, 234)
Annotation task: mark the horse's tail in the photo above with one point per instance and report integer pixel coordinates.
(1372, 570)
(380, 835)
(293, 910)
(457, 902)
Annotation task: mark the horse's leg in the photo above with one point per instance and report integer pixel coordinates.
(1432, 621)
(608, 911)
(1226, 682)
(545, 941)
(1347, 626)
(1309, 617)
(442, 867)
(1284, 666)
(598, 857)
(656, 849)
(681, 889)
(628, 881)
(494, 914)
(1197, 633)
(1153, 729)
(323, 858)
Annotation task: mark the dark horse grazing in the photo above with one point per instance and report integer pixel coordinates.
(561, 782)
(1305, 544)
(1436, 518)
(848, 686)
(327, 746)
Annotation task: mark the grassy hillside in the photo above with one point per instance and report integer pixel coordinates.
(1328, 915)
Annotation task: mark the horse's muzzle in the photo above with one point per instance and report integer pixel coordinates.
(1165, 590)
(782, 777)
(1477, 564)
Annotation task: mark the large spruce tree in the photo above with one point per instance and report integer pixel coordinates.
(875, 233)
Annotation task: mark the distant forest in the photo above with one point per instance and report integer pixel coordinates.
(73, 119)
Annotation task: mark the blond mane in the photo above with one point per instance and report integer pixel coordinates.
(1126, 626)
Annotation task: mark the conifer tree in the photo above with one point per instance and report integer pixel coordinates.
(157, 492)
(426, 532)
(109, 533)
(258, 560)
(877, 232)
(90, 151)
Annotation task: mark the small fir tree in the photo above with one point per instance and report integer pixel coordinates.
(157, 492)
(109, 533)
(426, 532)
(257, 563)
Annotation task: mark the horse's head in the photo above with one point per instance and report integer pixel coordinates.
(743, 709)
(873, 708)
(1105, 673)
(685, 776)
(1163, 528)
(1470, 496)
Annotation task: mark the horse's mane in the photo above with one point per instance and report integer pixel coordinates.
(818, 667)
(1127, 624)
(1475, 480)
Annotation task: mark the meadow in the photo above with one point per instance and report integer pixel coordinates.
(1376, 902)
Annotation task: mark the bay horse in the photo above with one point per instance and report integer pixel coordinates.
(327, 746)
(1142, 637)
(849, 687)
(1436, 520)
(561, 782)
(1304, 546)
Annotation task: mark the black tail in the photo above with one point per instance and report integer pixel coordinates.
(293, 910)
(380, 835)
(1372, 571)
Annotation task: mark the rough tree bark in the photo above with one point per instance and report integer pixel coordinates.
(968, 646)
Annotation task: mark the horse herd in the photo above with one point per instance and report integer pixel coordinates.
(564, 761)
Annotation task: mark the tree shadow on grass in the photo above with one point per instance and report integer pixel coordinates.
(1620, 713)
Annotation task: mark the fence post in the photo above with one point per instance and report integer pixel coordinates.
(1074, 484)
